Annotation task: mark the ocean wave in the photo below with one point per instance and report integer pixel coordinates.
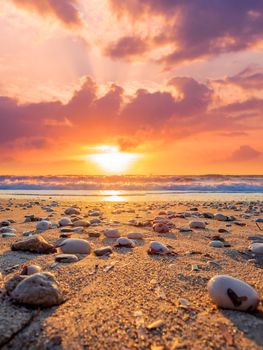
(205, 183)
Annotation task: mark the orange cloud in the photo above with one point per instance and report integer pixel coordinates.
(63, 10)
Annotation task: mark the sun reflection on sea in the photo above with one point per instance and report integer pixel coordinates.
(112, 196)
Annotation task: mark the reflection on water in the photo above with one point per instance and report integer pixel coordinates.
(112, 196)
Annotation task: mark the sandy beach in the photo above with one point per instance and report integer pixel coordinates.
(131, 299)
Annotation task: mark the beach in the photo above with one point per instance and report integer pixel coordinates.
(131, 299)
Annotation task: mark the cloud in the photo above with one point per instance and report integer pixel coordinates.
(244, 153)
(128, 120)
(250, 78)
(64, 10)
(126, 47)
(194, 29)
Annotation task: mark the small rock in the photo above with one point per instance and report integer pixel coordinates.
(34, 244)
(65, 222)
(39, 289)
(111, 233)
(256, 248)
(124, 242)
(216, 244)
(161, 227)
(158, 248)
(75, 246)
(43, 225)
(135, 235)
(66, 258)
(230, 293)
(71, 211)
(30, 269)
(197, 224)
(103, 251)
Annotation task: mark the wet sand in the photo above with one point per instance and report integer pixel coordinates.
(112, 301)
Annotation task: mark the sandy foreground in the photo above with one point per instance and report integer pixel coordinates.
(112, 301)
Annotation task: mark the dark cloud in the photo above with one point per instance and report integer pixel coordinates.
(250, 79)
(245, 153)
(64, 10)
(197, 28)
(128, 120)
(127, 47)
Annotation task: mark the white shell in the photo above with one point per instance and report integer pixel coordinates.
(75, 246)
(197, 224)
(65, 221)
(43, 225)
(256, 248)
(220, 286)
(112, 233)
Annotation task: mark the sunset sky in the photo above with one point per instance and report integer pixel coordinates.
(131, 86)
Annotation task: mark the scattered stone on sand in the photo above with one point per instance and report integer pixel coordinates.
(81, 223)
(124, 242)
(75, 246)
(8, 235)
(111, 233)
(158, 248)
(135, 235)
(230, 293)
(34, 244)
(43, 225)
(220, 217)
(155, 324)
(65, 221)
(197, 225)
(94, 234)
(103, 251)
(216, 244)
(161, 227)
(256, 248)
(30, 269)
(39, 289)
(66, 258)
(72, 211)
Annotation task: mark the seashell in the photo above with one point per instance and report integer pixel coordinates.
(39, 289)
(158, 248)
(161, 227)
(34, 244)
(125, 242)
(256, 248)
(71, 211)
(66, 258)
(30, 269)
(197, 224)
(65, 221)
(75, 246)
(103, 251)
(216, 244)
(111, 233)
(231, 293)
(135, 235)
(43, 225)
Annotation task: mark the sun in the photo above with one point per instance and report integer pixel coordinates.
(112, 160)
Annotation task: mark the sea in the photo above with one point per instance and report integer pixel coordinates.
(122, 188)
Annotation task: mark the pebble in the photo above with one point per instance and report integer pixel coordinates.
(161, 227)
(158, 248)
(30, 269)
(34, 244)
(111, 233)
(39, 289)
(124, 242)
(43, 225)
(220, 217)
(95, 234)
(197, 224)
(75, 246)
(230, 293)
(103, 251)
(256, 248)
(8, 235)
(71, 211)
(66, 258)
(135, 235)
(216, 244)
(65, 221)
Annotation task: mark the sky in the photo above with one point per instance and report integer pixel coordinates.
(131, 86)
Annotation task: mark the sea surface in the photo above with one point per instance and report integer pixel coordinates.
(134, 188)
